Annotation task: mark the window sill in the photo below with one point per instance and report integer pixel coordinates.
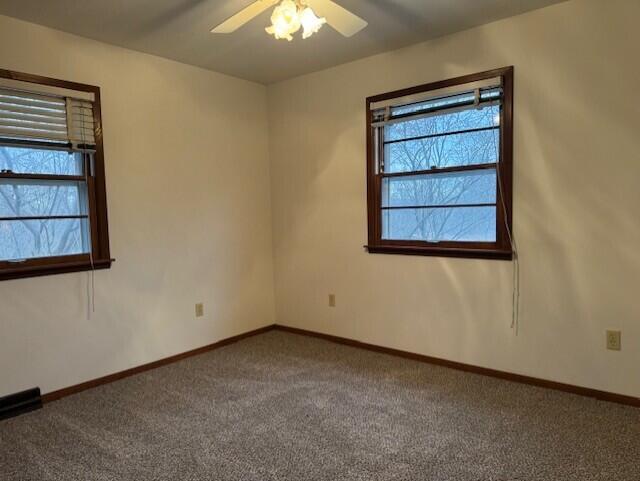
(494, 254)
(22, 271)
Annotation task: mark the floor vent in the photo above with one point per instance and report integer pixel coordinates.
(20, 403)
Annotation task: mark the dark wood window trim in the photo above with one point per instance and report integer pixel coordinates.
(97, 212)
(501, 249)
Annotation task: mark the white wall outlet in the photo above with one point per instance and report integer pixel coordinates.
(332, 300)
(614, 340)
(199, 309)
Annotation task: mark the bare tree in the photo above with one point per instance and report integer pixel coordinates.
(25, 238)
(442, 189)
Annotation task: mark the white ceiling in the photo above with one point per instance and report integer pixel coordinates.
(179, 30)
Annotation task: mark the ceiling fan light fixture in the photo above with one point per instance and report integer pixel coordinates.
(289, 16)
(311, 23)
(285, 20)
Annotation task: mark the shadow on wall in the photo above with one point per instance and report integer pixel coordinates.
(576, 228)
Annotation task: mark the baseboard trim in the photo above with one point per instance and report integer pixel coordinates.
(67, 391)
(558, 386)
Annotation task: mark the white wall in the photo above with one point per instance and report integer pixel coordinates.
(186, 154)
(190, 214)
(577, 165)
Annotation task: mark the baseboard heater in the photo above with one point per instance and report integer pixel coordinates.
(20, 403)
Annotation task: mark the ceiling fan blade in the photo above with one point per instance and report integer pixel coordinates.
(243, 16)
(338, 17)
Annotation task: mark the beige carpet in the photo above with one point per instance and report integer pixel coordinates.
(284, 407)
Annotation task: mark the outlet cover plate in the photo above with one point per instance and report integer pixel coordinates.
(614, 340)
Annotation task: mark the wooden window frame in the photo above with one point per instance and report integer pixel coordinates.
(501, 249)
(100, 257)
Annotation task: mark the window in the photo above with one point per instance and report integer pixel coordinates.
(53, 215)
(439, 164)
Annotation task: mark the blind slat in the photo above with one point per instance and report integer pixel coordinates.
(14, 132)
(27, 114)
(45, 126)
(32, 118)
(26, 110)
(32, 98)
(40, 106)
(82, 137)
(81, 120)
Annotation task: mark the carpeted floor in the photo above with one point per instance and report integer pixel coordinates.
(284, 407)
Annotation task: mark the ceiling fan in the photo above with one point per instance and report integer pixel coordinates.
(289, 16)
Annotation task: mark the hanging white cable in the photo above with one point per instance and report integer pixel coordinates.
(89, 165)
(87, 162)
(515, 296)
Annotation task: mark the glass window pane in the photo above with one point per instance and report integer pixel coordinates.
(471, 187)
(448, 122)
(470, 148)
(462, 224)
(43, 238)
(22, 160)
(31, 198)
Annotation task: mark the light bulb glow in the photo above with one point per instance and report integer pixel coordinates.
(311, 23)
(289, 16)
(285, 20)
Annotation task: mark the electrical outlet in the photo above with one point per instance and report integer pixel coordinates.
(332, 300)
(614, 340)
(199, 309)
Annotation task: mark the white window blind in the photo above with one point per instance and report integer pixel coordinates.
(41, 117)
(435, 106)
(80, 122)
(435, 94)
